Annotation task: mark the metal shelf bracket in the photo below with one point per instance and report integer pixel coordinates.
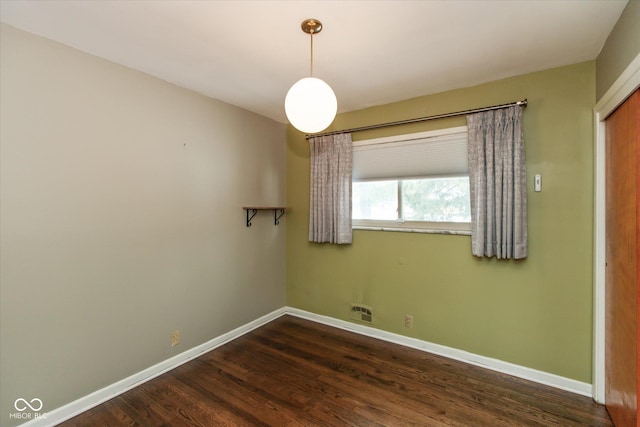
(249, 218)
(278, 212)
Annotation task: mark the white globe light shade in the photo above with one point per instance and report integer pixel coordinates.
(310, 105)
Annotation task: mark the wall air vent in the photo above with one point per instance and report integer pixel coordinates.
(361, 313)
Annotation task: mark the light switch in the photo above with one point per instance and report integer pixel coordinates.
(537, 182)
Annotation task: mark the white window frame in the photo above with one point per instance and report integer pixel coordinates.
(438, 227)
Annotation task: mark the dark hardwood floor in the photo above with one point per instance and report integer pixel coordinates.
(296, 372)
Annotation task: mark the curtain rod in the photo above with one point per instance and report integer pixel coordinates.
(522, 103)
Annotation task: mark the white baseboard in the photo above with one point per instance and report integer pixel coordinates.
(534, 375)
(89, 401)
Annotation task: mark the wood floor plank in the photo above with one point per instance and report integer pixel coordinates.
(344, 400)
(343, 378)
(377, 373)
(293, 372)
(296, 386)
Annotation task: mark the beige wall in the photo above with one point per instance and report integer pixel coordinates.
(535, 313)
(121, 220)
(622, 46)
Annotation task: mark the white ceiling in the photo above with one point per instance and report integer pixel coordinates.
(248, 53)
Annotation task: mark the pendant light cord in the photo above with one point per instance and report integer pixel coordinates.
(311, 62)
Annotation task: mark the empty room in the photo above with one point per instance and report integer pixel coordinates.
(319, 213)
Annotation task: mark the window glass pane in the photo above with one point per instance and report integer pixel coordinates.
(375, 200)
(436, 199)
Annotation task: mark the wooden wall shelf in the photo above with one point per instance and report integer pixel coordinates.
(278, 212)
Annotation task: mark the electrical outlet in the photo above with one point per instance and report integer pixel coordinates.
(175, 338)
(408, 321)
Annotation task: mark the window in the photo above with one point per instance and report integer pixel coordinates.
(416, 182)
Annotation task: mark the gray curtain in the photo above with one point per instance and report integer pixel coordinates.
(330, 195)
(497, 178)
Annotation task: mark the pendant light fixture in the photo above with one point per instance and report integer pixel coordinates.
(310, 104)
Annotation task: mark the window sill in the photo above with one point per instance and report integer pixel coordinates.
(414, 230)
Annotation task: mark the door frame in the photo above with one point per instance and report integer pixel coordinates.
(624, 86)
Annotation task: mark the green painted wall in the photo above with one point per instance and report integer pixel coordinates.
(535, 313)
(621, 47)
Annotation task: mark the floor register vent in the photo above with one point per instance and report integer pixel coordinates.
(361, 313)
